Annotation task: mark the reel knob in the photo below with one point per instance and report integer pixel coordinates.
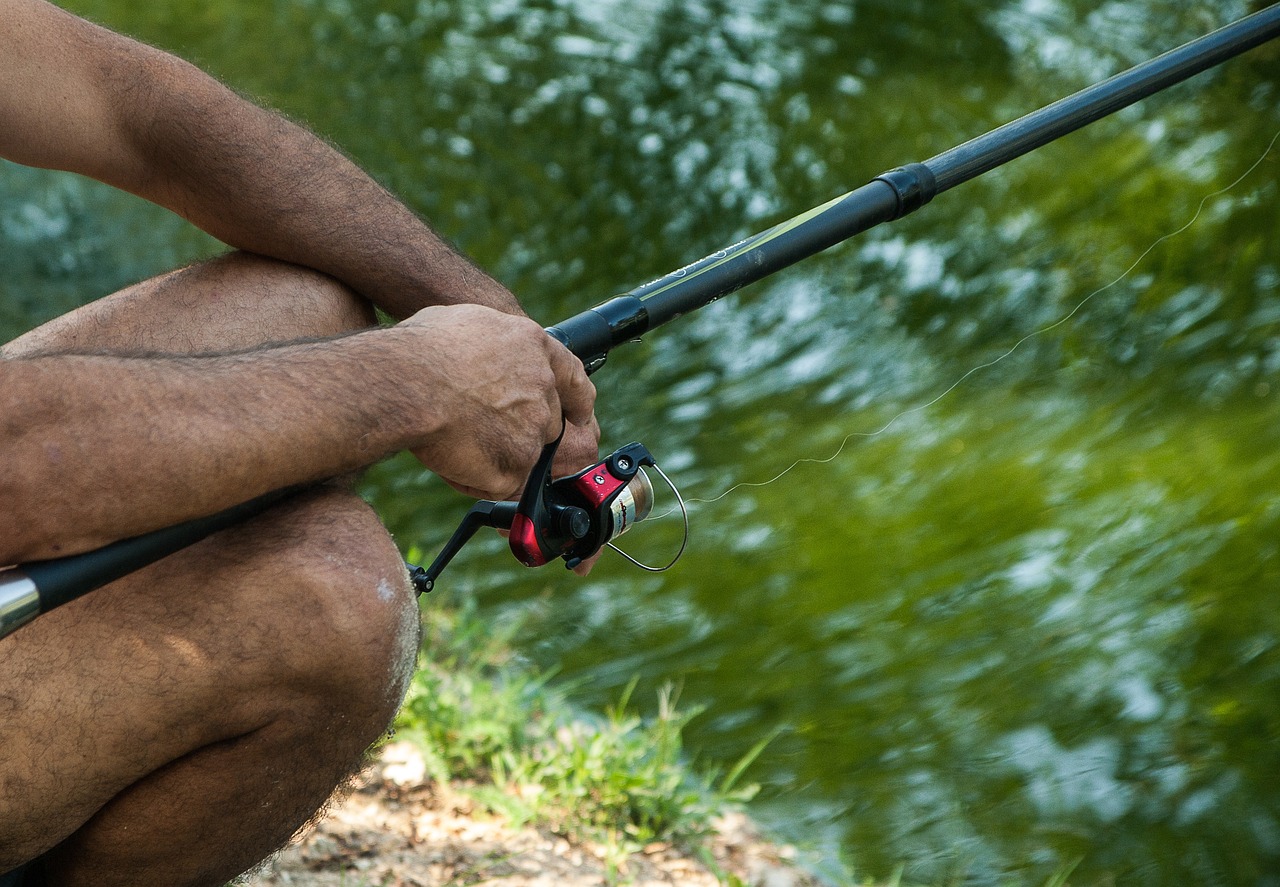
(571, 521)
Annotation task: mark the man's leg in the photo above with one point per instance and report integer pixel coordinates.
(176, 726)
(231, 303)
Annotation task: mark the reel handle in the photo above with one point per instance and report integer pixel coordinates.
(484, 513)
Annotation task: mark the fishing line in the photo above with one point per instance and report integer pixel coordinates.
(991, 363)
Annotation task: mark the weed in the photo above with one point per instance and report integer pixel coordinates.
(620, 781)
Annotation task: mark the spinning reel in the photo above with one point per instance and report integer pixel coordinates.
(572, 518)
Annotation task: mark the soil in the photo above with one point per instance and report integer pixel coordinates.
(395, 829)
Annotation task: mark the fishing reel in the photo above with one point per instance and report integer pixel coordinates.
(571, 518)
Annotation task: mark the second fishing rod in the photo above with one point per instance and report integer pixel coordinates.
(573, 518)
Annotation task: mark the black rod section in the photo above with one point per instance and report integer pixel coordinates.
(986, 152)
(36, 587)
(591, 334)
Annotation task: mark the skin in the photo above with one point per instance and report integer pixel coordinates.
(175, 726)
(178, 725)
(80, 98)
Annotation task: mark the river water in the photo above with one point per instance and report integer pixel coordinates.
(994, 630)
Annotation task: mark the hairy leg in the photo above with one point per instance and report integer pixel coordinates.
(178, 725)
(231, 303)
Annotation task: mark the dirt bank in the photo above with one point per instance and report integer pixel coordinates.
(397, 830)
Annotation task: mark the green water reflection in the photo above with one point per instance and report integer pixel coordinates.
(1029, 624)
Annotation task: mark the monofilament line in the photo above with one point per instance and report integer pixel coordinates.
(1016, 345)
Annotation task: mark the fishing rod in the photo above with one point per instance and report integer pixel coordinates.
(573, 518)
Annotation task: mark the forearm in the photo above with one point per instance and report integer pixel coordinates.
(77, 97)
(99, 448)
(260, 183)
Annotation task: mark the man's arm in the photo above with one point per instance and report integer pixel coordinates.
(453, 385)
(77, 97)
(474, 392)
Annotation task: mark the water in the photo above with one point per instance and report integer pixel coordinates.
(1028, 627)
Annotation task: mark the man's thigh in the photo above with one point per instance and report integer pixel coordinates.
(301, 620)
(232, 303)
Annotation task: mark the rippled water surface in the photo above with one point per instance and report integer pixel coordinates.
(1027, 626)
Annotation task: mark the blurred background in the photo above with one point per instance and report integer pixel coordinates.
(1030, 626)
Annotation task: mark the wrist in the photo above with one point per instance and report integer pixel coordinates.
(437, 276)
(421, 367)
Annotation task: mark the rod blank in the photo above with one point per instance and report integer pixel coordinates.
(995, 148)
(592, 333)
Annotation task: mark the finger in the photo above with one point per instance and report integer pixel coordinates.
(510, 494)
(577, 393)
(499, 491)
(580, 448)
(584, 568)
(478, 482)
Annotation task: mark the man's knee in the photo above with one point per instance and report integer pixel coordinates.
(345, 612)
(238, 301)
(306, 302)
(284, 644)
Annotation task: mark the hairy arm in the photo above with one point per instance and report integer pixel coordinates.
(472, 395)
(77, 97)
(228, 428)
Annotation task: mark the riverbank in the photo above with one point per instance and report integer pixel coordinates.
(400, 829)
(494, 777)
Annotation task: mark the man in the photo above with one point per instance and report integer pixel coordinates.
(176, 726)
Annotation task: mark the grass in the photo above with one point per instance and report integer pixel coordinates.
(618, 781)
(489, 724)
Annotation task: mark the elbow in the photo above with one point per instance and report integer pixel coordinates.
(41, 519)
(46, 508)
(18, 517)
(17, 544)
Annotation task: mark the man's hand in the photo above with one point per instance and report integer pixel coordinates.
(504, 390)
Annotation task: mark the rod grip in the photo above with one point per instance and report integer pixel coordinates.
(591, 334)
